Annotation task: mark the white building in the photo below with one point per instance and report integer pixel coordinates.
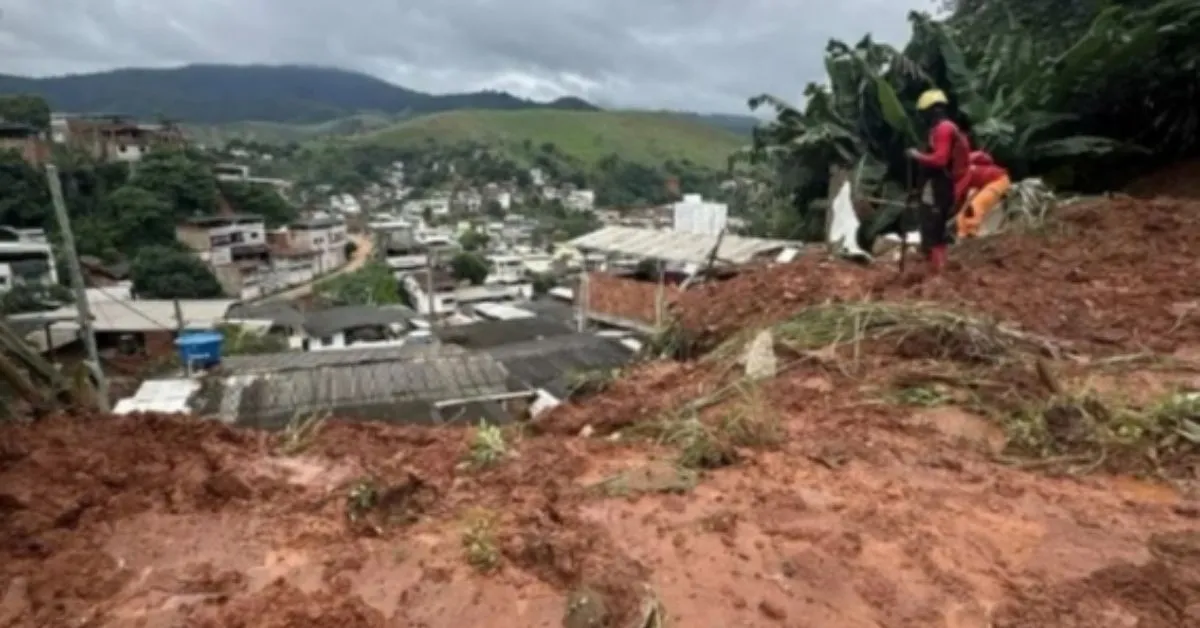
(580, 200)
(447, 298)
(221, 240)
(25, 258)
(695, 215)
(506, 269)
(436, 205)
(326, 236)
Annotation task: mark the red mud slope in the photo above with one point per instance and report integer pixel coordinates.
(850, 511)
(1117, 274)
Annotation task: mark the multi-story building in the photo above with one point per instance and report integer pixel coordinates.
(325, 235)
(112, 137)
(234, 246)
(25, 259)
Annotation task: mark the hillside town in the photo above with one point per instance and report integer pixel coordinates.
(524, 341)
(460, 263)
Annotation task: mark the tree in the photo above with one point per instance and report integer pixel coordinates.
(474, 240)
(138, 218)
(165, 272)
(1075, 99)
(543, 283)
(26, 297)
(494, 209)
(263, 200)
(183, 181)
(26, 109)
(469, 267)
(24, 193)
(373, 284)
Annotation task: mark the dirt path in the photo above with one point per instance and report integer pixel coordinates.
(364, 244)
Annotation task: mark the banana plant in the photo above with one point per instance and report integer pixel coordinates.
(1005, 98)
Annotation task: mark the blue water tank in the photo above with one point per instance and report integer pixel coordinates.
(200, 349)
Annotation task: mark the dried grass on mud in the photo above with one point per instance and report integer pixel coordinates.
(866, 484)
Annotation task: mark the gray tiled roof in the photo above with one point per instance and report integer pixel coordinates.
(293, 360)
(487, 334)
(397, 390)
(550, 363)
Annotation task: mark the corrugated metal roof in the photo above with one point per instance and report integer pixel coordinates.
(293, 360)
(404, 390)
(676, 246)
(149, 314)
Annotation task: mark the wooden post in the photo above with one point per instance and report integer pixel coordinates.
(82, 307)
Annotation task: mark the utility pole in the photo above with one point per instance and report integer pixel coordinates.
(82, 307)
(582, 298)
(430, 262)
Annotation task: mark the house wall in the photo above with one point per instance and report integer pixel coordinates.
(32, 149)
(221, 237)
(11, 274)
(330, 243)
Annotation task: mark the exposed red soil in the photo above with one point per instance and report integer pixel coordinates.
(859, 513)
(1113, 275)
(1181, 180)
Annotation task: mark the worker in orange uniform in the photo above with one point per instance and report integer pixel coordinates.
(948, 168)
(989, 185)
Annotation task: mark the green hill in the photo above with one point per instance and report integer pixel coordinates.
(282, 132)
(588, 136)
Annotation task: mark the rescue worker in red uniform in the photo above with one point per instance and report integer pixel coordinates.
(989, 185)
(948, 169)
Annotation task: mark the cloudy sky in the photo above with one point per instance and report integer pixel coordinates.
(701, 55)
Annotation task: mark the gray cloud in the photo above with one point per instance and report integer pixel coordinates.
(705, 55)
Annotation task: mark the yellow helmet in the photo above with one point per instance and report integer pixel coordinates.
(930, 98)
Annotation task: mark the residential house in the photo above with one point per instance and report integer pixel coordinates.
(25, 259)
(234, 246)
(436, 205)
(290, 266)
(241, 174)
(342, 327)
(325, 235)
(506, 269)
(113, 137)
(24, 139)
(580, 200)
(693, 214)
(357, 326)
(448, 295)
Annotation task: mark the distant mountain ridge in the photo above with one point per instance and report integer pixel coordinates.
(210, 94)
(216, 94)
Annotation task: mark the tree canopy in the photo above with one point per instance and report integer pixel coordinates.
(25, 109)
(1077, 93)
(469, 267)
(166, 272)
